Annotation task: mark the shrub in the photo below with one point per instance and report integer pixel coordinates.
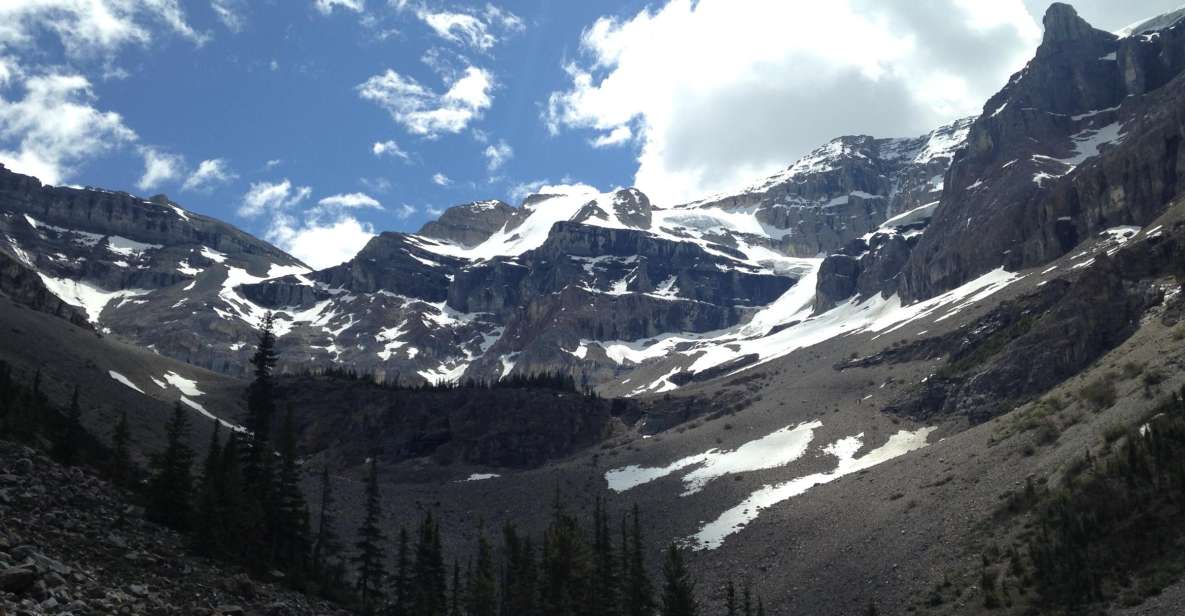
(1099, 394)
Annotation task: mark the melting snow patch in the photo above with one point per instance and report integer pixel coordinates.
(84, 295)
(187, 386)
(712, 534)
(125, 380)
(776, 449)
(481, 476)
(201, 409)
(128, 248)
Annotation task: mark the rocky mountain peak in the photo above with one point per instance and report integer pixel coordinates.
(1062, 23)
(469, 224)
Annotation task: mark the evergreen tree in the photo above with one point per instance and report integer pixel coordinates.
(428, 575)
(121, 456)
(566, 566)
(678, 593)
(454, 608)
(747, 598)
(482, 596)
(520, 576)
(171, 486)
(605, 593)
(327, 546)
(260, 514)
(207, 536)
(401, 585)
(370, 556)
(730, 598)
(637, 589)
(69, 445)
(760, 607)
(292, 538)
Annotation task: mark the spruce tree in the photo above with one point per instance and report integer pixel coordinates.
(730, 598)
(121, 456)
(520, 577)
(369, 560)
(327, 545)
(678, 593)
(566, 566)
(638, 590)
(232, 498)
(428, 577)
(260, 514)
(69, 445)
(172, 484)
(292, 538)
(482, 599)
(605, 591)
(401, 585)
(207, 527)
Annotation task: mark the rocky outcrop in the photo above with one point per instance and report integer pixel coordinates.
(70, 543)
(23, 286)
(469, 224)
(1085, 138)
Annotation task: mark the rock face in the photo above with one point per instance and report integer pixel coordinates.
(1084, 138)
(469, 224)
(847, 188)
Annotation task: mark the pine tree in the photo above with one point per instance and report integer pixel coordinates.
(369, 560)
(566, 566)
(172, 483)
(232, 497)
(121, 456)
(428, 576)
(482, 599)
(401, 585)
(638, 590)
(730, 598)
(678, 594)
(520, 577)
(327, 546)
(207, 526)
(454, 608)
(292, 520)
(605, 591)
(69, 445)
(260, 514)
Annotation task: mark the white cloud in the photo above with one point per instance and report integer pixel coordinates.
(159, 167)
(405, 211)
(617, 136)
(210, 173)
(272, 163)
(497, 154)
(476, 29)
(318, 243)
(351, 201)
(89, 28)
(54, 128)
(272, 197)
(434, 211)
(441, 179)
(230, 13)
(424, 112)
(388, 148)
(779, 78)
(326, 6)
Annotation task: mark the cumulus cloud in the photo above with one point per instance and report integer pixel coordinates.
(210, 173)
(90, 28)
(497, 154)
(388, 148)
(159, 167)
(779, 78)
(441, 179)
(425, 112)
(272, 197)
(326, 6)
(405, 211)
(320, 243)
(351, 201)
(54, 127)
(476, 29)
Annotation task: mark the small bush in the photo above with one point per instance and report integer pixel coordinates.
(1099, 394)
(1132, 369)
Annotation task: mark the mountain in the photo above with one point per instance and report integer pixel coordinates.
(934, 375)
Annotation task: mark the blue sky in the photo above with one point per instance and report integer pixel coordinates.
(316, 123)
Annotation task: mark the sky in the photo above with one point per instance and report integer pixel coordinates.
(316, 124)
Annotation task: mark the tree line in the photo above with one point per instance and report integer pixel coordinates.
(244, 504)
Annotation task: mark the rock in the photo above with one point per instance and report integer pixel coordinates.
(23, 466)
(1062, 23)
(138, 590)
(230, 610)
(17, 579)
